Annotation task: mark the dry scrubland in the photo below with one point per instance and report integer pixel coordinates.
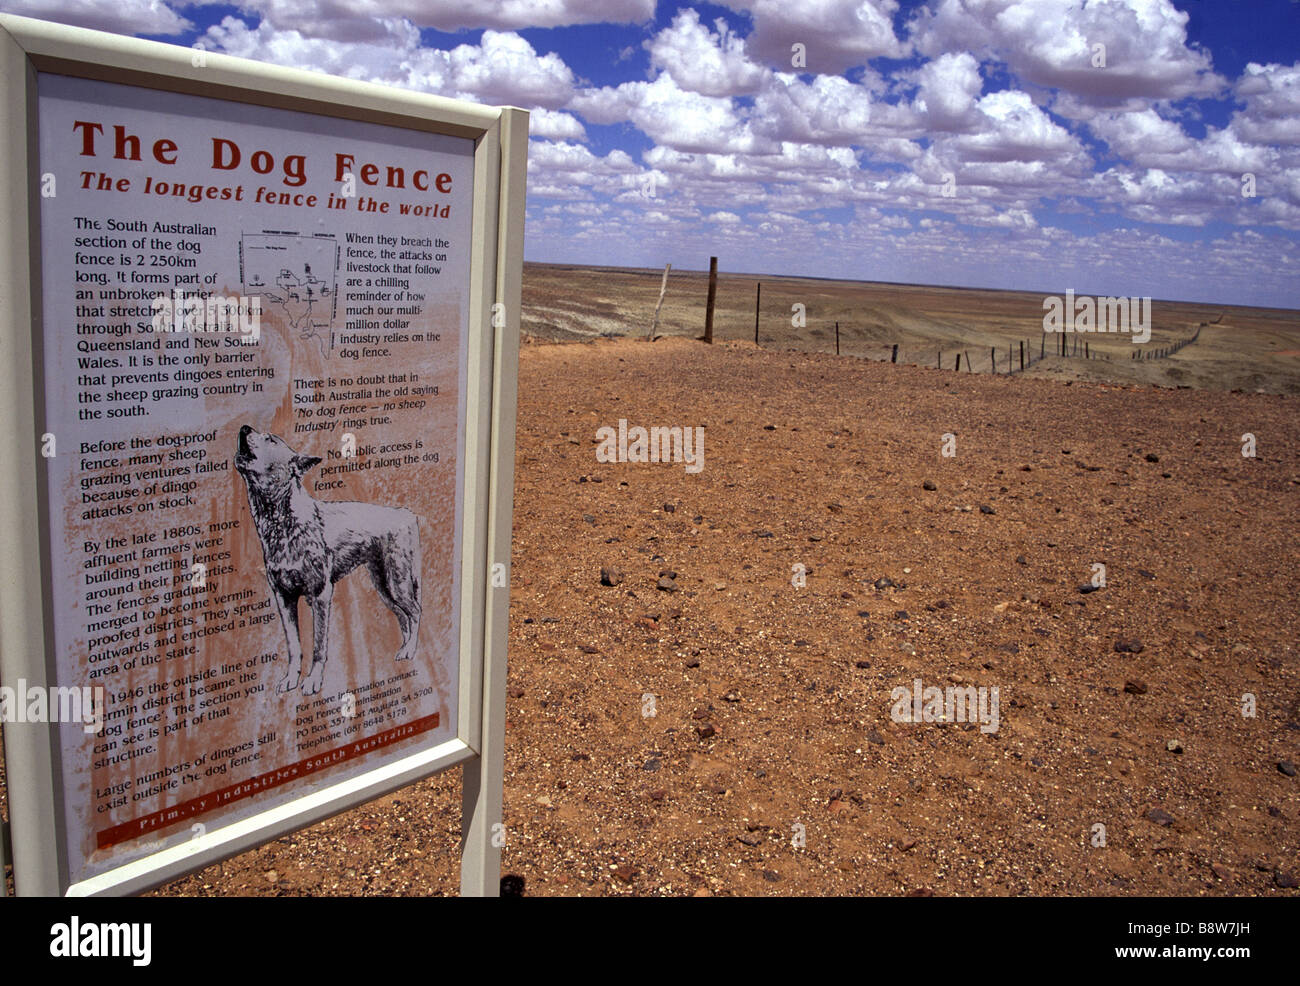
(821, 461)
(1254, 349)
(773, 702)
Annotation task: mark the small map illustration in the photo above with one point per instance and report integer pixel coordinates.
(295, 276)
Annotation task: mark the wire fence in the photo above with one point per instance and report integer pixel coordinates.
(1018, 356)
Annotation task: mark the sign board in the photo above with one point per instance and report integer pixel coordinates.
(261, 336)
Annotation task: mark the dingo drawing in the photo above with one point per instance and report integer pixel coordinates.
(311, 544)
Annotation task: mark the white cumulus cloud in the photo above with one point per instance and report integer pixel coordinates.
(502, 68)
(701, 61)
(149, 17)
(363, 21)
(1272, 97)
(672, 116)
(835, 34)
(1144, 53)
(555, 125)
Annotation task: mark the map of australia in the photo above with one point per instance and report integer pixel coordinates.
(294, 275)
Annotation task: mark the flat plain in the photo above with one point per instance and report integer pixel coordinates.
(1253, 349)
(713, 724)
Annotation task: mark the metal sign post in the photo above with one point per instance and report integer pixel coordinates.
(482, 824)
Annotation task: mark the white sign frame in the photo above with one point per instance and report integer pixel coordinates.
(27, 47)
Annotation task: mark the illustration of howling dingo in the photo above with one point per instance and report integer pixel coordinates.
(311, 544)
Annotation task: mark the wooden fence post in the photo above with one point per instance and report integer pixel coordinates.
(894, 356)
(713, 293)
(1022, 354)
(662, 288)
(958, 367)
(758, 298)
(837, 338)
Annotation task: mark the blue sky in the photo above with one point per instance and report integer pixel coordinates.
(1099, 145)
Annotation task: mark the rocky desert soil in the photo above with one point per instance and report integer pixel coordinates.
(707, 725)
(1238, 348)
